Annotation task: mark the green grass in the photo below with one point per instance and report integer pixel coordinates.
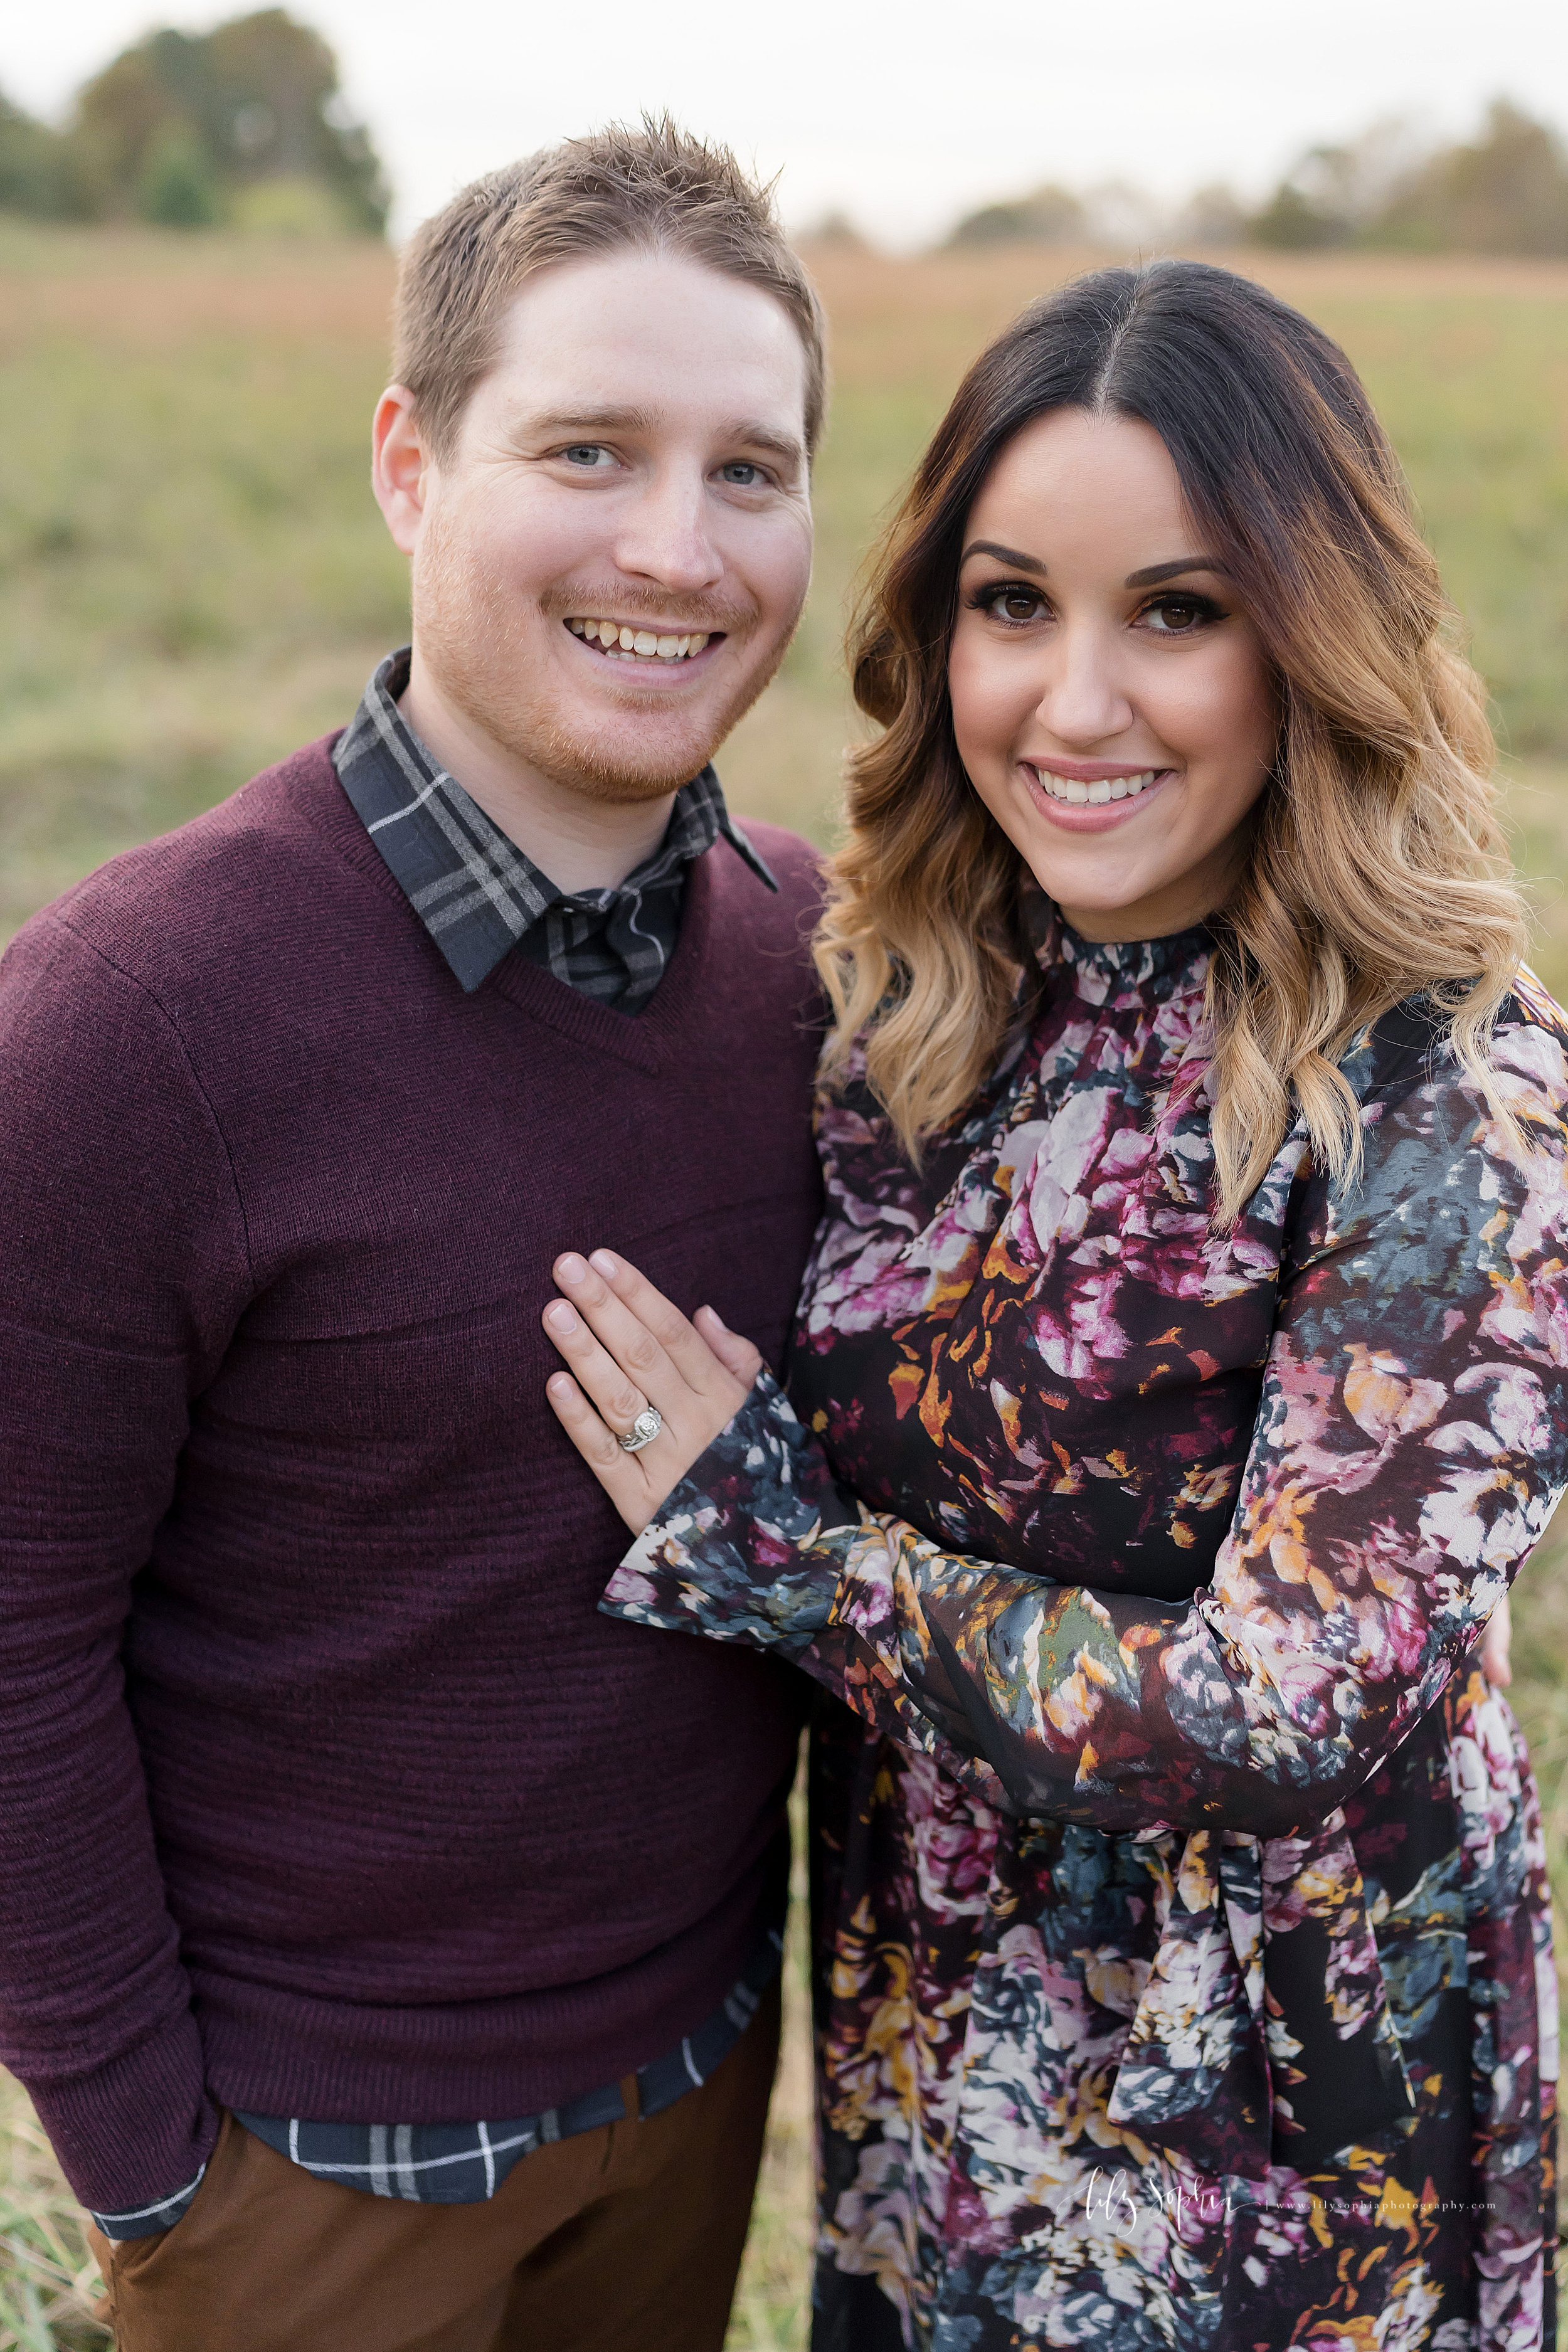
(194, 580)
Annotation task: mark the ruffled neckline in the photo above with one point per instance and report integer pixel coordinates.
(1104, 972)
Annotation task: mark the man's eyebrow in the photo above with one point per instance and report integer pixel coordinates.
(1002, 555)
(1154, 573)
(788, 447)
(586, 420)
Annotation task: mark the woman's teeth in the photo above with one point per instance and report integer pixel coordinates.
(641, 643)
(1095, 795)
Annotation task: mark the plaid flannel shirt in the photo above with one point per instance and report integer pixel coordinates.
(464, 2164)
(479, 897)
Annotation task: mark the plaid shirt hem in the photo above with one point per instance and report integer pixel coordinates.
(464, 2164)
(479, 895)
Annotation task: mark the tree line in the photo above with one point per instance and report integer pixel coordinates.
(241, 126)
(1506, 191)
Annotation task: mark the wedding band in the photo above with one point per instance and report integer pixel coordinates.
(643, 1431)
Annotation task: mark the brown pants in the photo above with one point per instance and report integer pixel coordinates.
(628, 2237)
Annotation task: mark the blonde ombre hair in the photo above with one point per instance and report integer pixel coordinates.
(1374, 866)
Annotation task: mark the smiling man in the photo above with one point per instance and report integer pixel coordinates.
(389, 1941)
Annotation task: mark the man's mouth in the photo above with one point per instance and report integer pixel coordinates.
(621, 642)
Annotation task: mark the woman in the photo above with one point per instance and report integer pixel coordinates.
(1178, 1383)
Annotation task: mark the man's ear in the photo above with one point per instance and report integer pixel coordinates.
(399, 465)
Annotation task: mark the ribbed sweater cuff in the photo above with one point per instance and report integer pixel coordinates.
(137, 2129)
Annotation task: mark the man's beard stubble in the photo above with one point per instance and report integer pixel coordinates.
(470, 642)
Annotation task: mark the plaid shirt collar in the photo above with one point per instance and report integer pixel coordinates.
(474, 891)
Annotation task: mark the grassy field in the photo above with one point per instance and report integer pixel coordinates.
(194, 580)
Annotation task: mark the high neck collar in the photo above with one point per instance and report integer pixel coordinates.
(1114, 971)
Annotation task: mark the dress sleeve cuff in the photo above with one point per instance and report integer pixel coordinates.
(730, 1554)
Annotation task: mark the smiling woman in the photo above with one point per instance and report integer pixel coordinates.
(1180, 1375)
(1199, 432)
(1082, 698)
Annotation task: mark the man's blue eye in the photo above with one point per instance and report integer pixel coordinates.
(584, 452)
(742, 475)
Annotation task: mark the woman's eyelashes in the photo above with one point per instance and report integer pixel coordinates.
(1012, 602)
(1180, 616)
(1017, 605)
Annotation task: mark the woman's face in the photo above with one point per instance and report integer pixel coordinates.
(1110, 700)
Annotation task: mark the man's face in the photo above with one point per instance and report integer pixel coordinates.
(633, 463)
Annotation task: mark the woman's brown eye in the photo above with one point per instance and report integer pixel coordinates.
(1017, 604)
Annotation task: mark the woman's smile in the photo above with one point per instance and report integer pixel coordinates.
(1096, 803)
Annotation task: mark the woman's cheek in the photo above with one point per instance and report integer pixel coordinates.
(990, 703)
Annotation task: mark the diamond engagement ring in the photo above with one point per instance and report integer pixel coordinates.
(643, 1431)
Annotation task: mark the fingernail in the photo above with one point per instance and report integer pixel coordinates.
(603, 1263)
(570, 1267)
(718, 1319)
(560, 1386)
(559, 1318)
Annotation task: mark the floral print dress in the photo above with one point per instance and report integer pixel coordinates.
(1183, 1968)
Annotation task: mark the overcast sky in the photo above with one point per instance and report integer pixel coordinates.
(900, 115)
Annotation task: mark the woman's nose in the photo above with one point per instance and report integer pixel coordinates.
(1085, 701)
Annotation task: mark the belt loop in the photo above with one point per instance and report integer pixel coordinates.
(631, 2099)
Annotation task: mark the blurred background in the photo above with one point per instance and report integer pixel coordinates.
(198, 224)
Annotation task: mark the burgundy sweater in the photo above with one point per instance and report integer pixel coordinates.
(324, 1789)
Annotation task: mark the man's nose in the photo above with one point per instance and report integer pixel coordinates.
(665, 536)
(1085, 701)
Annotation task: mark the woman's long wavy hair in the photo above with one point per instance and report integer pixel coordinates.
(1374, 869)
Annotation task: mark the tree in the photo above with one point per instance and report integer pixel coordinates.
(178, 187)
(1335, 195)
(39, 171)
(1049, 216)
(1508, 193)
(182, 128)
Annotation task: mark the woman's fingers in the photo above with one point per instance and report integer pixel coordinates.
(622, 1334)
(620, 1474)
(617, 1397)
(627, 1347)
(621, 1304)
(739, 1359)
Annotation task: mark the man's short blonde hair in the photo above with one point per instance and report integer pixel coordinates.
(655, 187)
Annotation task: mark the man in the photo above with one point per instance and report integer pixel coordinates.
(389, 1942)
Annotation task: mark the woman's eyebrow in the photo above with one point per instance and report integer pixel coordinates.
(1154, 573)
(1002, 555)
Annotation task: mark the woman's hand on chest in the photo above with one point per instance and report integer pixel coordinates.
(628, 1350)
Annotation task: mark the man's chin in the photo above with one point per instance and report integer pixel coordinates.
(627, 773)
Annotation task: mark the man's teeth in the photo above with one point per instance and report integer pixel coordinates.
(642, 644)
(1094, 795)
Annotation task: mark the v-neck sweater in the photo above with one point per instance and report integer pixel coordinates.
(323, 1788)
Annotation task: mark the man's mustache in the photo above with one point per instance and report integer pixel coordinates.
(625, 603)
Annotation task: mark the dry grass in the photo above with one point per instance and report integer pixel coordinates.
(192, 581)
(49, 2281)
